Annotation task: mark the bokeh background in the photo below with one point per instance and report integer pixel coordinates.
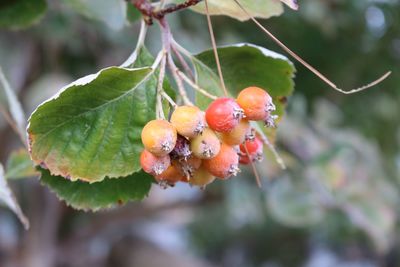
(336, 205)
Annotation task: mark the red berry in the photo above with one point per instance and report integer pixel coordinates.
(225, 164)
(256, 103)
(159, 137)
(189, 121)
(152, 164)
(223, 115)
(254, 149)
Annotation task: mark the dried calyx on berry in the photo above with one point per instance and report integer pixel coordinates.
(181, 149)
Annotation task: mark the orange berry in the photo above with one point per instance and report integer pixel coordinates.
(238, 135)
(256, 103)
(152, 164)
(171, 175)
(159, 137)
(201, 177)
(206, 145)
(225, 164)
(189, 121)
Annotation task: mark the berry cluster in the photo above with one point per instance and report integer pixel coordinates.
(196, 147)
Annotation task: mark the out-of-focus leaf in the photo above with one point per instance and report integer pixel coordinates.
(8, 199)
(257, 8)
(20, 165)
(294, 203)
(99, 195)
(17, 14)
(111, 12)
(10, 104)
(91, 129)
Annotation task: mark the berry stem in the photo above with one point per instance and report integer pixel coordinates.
(254, 168)
(195, 86)
(160, 90)
(270, 146)
(169, 99)
(307, 65)
(178, 80)
(214, 45)
(182, 61)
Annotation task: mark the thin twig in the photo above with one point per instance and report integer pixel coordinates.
(195, 86)
(169, 99)
(308, 66)
(214, 45)
(159, 107)
(178, 80)
(270, 146)
(183, 62)
(253, 166)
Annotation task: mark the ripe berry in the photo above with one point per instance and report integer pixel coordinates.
(152, 164)
(201, 177)
(206, 145)
(159, 137)
(256, 103)
(225, 164)
(238, 134)
(181, 149)
(223, 115)
(171, 175)
(254, 149)
(189, 121)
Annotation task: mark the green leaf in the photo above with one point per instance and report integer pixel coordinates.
(20, 165)
(91, 129)
(257, 8)
(18, 14)
(7, 198)
(111, 12)
(100, 195)
(246, 65)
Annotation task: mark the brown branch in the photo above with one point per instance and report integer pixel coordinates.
(149, 12)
